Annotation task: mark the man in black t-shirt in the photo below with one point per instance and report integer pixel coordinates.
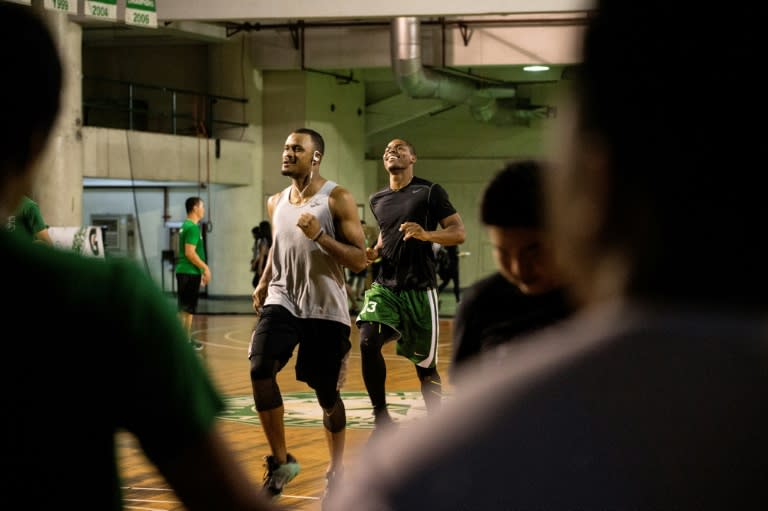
(402, 301)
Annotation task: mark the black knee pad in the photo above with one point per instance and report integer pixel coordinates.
(262, 369)
(335, 416)
(266, 394)
(374, 335)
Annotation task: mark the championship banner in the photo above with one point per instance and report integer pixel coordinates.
(104, 9)
(141, 12)
(88, 241)
(69, 6)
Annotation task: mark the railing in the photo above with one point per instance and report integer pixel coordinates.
(126, 105)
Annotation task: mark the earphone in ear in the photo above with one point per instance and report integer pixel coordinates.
(315, 158)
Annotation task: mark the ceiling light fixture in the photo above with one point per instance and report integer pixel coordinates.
(536, 68)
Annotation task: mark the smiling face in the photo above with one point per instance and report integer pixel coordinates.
(398, 156)
(297, 155)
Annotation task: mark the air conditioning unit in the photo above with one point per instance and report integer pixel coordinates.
(119, 233)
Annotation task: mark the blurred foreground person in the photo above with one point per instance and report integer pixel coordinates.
(653, 396)
(133, 349)
(527, 292)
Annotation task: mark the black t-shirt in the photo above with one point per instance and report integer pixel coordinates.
(409, 264)
(494, 311)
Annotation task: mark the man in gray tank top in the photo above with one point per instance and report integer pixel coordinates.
(301, 299)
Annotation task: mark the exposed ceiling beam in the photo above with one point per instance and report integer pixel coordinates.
(173, 10)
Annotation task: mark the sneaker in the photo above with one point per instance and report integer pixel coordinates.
(276, 476)
(196, 344)
(331, 483)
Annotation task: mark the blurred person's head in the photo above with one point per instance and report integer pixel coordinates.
(265, 230)
(512, 212)
(656, 192)
(31, 87)
(93, 240)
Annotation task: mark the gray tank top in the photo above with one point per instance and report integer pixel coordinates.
(305, 279)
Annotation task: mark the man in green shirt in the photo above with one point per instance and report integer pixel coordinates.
(191, 269)
(28, 222)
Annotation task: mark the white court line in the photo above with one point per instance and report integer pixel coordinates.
(152, 501)
(300, 497)
(144, 488)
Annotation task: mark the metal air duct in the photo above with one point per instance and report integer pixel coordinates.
(421, 83)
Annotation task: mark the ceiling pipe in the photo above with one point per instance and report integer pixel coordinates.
(486, 103)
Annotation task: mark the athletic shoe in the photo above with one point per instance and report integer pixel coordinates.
(276, 476)
(331, 483)
(196, 344)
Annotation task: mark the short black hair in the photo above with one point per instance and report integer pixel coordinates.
(317, 138)
(514, 198)
(410, 146)
(191, 202)
(31, 85)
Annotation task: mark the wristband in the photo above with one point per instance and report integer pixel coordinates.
(319, 233)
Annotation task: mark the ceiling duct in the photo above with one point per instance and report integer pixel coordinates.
(486, 103)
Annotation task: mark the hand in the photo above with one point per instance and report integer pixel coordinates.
(371, 254)
(259, 295)
(413, 230)
(309, 225)
(206, 278)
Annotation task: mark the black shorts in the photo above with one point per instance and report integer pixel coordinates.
(188, 287)
(323, 347)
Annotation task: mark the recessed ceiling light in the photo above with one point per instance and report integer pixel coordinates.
(536, 69)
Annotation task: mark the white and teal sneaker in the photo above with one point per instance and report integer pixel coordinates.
(277, 475)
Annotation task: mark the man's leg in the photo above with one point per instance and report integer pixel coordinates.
(335, 422)
(423, 334)
(271, 418)
(273, 329)
(372, 337)
(186, 322)
(281, 466)
(431, 388)
(187, 297)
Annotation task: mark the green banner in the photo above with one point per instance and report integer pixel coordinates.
(141, 13)
(104, 9)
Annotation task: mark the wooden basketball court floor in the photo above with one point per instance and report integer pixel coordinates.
(226, 339)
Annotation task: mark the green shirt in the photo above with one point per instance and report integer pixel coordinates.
(190, 234)
(27, 221)
(106, 354)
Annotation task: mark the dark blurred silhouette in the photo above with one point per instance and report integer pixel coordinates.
(652, 396)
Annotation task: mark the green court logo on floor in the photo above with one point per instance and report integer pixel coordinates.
(302, 409)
